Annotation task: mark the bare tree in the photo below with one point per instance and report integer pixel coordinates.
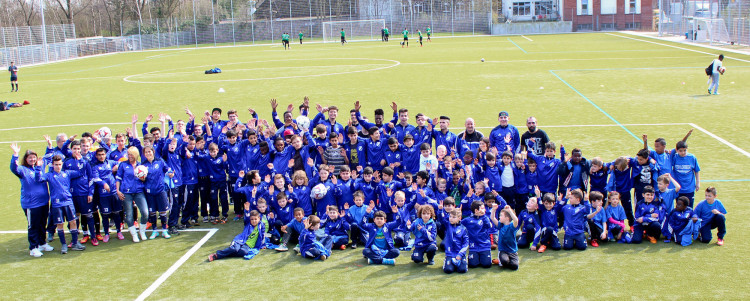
(28, 10)
(70, 8)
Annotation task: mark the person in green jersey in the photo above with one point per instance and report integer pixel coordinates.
(343, 37)
(301, 35)
(285, 40)
(429, 33)
(406, 38)
(249, 242)
(420, 37)
(387, 34)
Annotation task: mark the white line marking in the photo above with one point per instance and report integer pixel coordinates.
(14, 232)
(175, 266)
(742, 151)
(585, 125)
(545, 60)
(395, 63)
(530, 40)
(62, 125)
(677, 47)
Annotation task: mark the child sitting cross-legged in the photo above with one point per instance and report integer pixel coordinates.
(248, 243)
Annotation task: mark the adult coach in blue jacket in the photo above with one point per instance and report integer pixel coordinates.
(34, 199)
(505, 136)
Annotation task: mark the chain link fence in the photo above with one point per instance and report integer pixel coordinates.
(707, 21)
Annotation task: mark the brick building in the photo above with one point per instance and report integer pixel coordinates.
(596, 15)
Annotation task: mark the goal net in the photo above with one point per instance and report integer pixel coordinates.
(359, 30)
(715, 30)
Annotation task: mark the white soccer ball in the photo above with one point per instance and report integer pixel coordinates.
(483, 60)
(104, 132)
(722, 70)
(141, 172)
(303, 122)
(319, 191)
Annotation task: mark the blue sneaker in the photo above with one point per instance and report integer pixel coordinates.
(389, 262)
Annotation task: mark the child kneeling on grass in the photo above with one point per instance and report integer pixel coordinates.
(310, 246)
(456, 244)
(248, 243)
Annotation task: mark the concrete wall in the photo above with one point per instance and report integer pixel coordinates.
(532, 27)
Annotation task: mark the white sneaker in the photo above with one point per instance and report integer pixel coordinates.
(36, 253)
(46, 248)
(134, 234)
(142, 230)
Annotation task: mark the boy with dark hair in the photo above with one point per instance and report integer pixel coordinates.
(647, 216)
(334, 155)
(713, 215)
(645, 172)
(357, 215)
(598, 223)
(379, 248)
(686, 171)
(62, 208)
(393, 157)
(547, 166)
(575, 215)
(549, 226)
(443, 136)
(530, 225)
(292, 230)
(249, 242)
(336, 228)
(356, 150)
(478, 226)
(311, 246)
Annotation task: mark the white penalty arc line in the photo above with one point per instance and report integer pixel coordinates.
(722, 140)
(177, 264)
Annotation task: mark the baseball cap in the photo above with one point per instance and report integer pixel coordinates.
(503, 113)
(288, 132)
(25, 102)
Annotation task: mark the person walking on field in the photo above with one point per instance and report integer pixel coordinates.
(713, 82)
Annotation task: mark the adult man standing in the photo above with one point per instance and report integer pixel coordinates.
(13, 69)
(534, 139)
(469, 139)
(505, 136)
(716, 70)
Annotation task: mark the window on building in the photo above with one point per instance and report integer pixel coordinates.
(609, 7)
(632, 6)
(521, 8)
(584, 7)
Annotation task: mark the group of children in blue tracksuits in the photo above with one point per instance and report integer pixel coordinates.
(323, 186)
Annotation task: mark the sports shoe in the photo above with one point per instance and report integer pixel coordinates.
(165, 234)
(716, 93)
(64, 249)
(95, 242)
(594, 243)
(709, 91)
(542, 248)
(205, 219)
(223, 220)
(78, 247)
(369, 261)
(100, 237)
(154, 235)
(342, 247)
(296, 249)
(181, 227)
(50, 237)
(236, 218)
(134, 234)
(35, 252)
(323, 257)
(389, 261)
(652, 239)
(213, 220)
(282, 248)
(431, 262)
(120, 236)
(354, 246)
(720, 242)
(85, 239)
(212, 257)
(666, 241)
(46, 248)
(105, 238)
(495, 261)
(493, 247)
(148, 225)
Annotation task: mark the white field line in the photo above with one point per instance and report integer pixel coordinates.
(530, 40)
(177, 264)
(722, 140)
(62, 125)
(673, 46)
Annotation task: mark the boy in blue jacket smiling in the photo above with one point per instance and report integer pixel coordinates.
(379, 248)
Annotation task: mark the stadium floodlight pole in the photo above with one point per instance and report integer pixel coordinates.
(231, 7)
(270, 16)
(44, 33)
(309, 5)
(195, 26)
(291, 22)
(213, 21)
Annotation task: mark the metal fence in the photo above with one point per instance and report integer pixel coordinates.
(710, 21)
(36, 44)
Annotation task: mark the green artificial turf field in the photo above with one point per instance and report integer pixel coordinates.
(599, 92)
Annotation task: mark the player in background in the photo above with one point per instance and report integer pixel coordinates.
(429, 33)
(343, 37)
(13, 69)
(406, 38)
(387, 34)
(301, 35)
(420, 37)
(713, 81)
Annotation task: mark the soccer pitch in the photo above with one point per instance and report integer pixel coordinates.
(599, 92)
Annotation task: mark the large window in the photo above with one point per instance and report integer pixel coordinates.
(522, 8)
(584, 7)
(632, 6)
(609, 7)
